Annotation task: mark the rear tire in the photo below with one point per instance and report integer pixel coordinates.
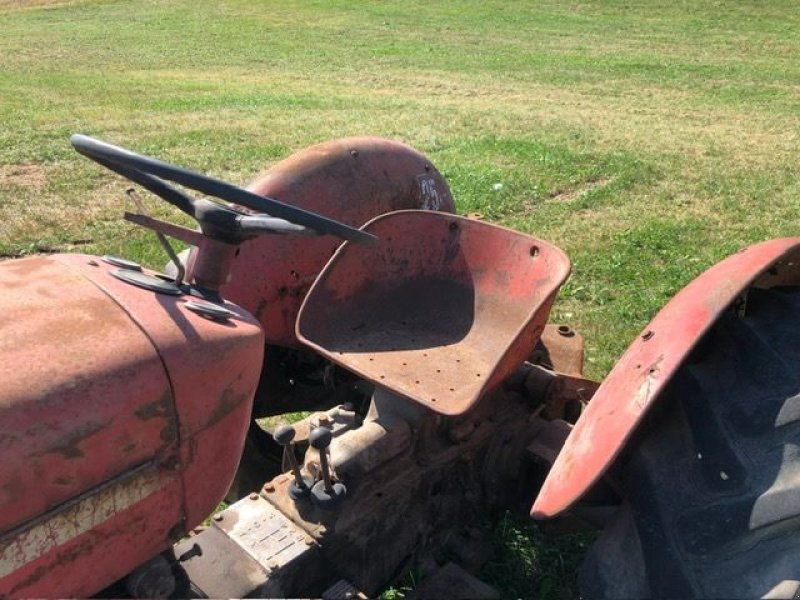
(712, 482)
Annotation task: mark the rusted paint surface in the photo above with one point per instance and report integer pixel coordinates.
(210, 459)
(440, 311)
(75, 372)
(76, 517)
(560, 349)
(214, 369)
(96, 377)
(634, 384)
(351, 180)
(212, 366)
(83, 546)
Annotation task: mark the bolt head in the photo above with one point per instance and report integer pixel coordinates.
(269, 488)
(253, 496)
(218, 517)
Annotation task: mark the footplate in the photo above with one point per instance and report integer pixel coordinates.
(251, 548)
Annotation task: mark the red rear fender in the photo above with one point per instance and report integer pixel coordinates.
(625, 396)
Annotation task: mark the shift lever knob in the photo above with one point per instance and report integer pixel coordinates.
(284, 435)
(320, 438)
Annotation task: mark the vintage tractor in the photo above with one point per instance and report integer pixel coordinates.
(438, 393)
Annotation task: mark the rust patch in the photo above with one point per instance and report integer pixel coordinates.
(158, 408)
(228, 401)
(558, 351)
(69, 445)
(169, 435)
(262, 306)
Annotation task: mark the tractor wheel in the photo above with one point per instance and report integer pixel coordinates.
(712, 482)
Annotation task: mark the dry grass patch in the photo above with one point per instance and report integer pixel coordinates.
(573, 194)
(30, 4)
(23, 175)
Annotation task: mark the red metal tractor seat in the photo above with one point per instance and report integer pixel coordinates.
(440, 310)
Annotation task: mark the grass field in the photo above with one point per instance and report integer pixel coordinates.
(647, 139)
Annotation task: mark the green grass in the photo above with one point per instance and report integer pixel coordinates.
(527, 564)
(647, 139)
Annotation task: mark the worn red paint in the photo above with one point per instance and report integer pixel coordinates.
(210, 461)
(104, 540)
(98, 377)
(351, 180)
(74, 372)
(440, 310)
(634, 384)
(209, 363)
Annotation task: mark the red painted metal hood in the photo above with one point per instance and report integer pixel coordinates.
(83, 394)
(122, 420)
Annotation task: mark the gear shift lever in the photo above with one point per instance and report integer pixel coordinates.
(301, 486)
(325, 494)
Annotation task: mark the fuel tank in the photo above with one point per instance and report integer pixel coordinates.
(122, 420)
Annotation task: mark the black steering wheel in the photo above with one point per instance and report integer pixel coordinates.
(216, 220)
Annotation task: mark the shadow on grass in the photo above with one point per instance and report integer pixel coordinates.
(525, 563)
(528, 564)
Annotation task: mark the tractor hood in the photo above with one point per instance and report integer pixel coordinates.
(122, 419)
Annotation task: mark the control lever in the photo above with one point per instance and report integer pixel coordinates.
(301, 486)
(325, 494)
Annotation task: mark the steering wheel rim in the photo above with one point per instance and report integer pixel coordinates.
(149, 172)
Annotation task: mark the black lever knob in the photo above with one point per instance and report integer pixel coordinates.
(301, 486)
(325, 493)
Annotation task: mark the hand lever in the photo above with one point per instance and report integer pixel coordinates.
(325, 494)
(301, 486)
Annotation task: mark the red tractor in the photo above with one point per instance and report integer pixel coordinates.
(439, 394)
